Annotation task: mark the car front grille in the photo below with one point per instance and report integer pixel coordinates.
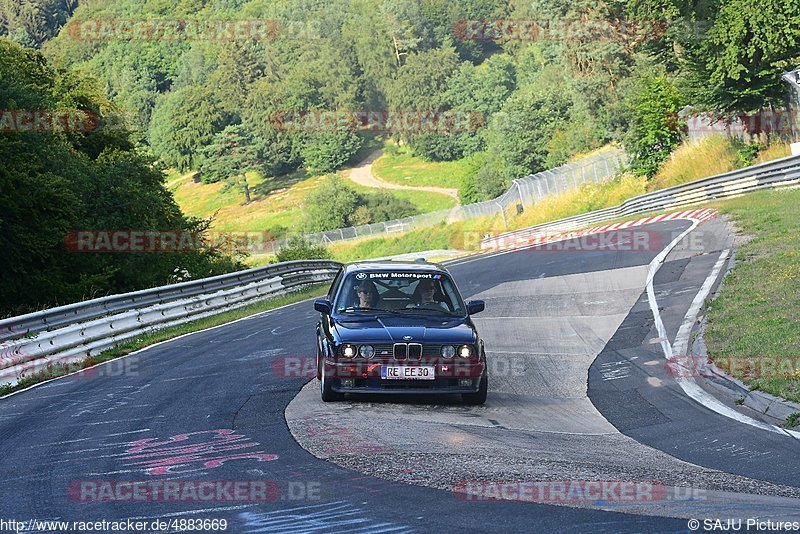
(407, 351)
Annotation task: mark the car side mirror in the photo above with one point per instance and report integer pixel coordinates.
(475, 306)
(323, 306)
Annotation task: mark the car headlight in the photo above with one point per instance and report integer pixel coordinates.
(465, 351)
(366, 351)
(448, 351)
(348, 351)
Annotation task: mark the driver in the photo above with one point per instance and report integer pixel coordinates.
(367, 294)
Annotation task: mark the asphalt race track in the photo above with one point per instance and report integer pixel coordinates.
(578, 391)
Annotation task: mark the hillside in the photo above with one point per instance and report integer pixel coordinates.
(270, 101)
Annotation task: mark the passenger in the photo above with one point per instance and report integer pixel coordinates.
(425, 296)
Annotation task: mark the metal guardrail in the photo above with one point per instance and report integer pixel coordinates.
(67, 334)
(780, 173)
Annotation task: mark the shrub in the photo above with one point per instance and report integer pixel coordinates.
(326, 152)
(298, 248)
(329, 206)
(383, 206)
(333, 204)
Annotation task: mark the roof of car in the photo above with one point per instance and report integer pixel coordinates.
(385, 265)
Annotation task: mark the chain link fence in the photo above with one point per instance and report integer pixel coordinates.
(523, 191)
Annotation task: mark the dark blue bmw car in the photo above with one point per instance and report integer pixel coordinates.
(400, 328)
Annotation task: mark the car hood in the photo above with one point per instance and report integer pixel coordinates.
(394, 329)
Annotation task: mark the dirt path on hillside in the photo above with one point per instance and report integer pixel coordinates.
(362, 175)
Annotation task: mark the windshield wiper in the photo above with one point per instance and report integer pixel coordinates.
(432, 309)
(363, 308)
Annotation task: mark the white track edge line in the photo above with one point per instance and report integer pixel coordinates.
(687, 384)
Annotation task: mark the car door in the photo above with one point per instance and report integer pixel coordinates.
(324, 325)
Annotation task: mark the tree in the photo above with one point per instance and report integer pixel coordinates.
(279, 150)
(32, 22)
(53, 183)
(518, 135)
(231, 154)
(366, 29)
(419, 87)
(738, 65)
(481, 89)
(183, 122)
(406, 25)
(238, 66)
(655, 129)
(422, 81)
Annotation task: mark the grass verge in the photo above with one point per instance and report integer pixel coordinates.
(754, 323)
(694, 160)
(424, 201)
(163, 335)
(402, 168)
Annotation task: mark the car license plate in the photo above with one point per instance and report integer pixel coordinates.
(407, 372)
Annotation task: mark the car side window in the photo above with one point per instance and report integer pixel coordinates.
(335, 284)
(452, 295)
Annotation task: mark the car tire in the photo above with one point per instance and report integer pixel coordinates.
(325, 389)
(319, 362)
(479, 397)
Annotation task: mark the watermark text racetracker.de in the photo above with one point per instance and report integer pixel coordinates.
(747, 366)
(47, 120)
(115, 525)
(108, 29)
(562, 29)
(623, 240)
(306, 367)
(156, 241)
(574, 491)
(192, 491)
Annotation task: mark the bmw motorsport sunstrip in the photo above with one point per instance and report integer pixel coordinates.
(400, 328)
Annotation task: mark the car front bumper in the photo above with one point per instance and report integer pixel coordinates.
(366, 378)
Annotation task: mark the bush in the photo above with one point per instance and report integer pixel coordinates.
(470, 190)
(493, 178)
(384, 206)
(334, 205)
(326, 152)
(435, 147)
(329, 206)
(300, 249)
(747, 152)
(577, 136)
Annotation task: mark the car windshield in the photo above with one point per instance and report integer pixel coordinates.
(404, 292)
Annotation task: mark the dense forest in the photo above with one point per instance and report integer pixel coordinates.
(585, 73)
(541, 81)
(55, 182)
(32, 22)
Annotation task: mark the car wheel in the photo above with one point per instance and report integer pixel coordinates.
(326, 392)
(479, 397)
(319, 362)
